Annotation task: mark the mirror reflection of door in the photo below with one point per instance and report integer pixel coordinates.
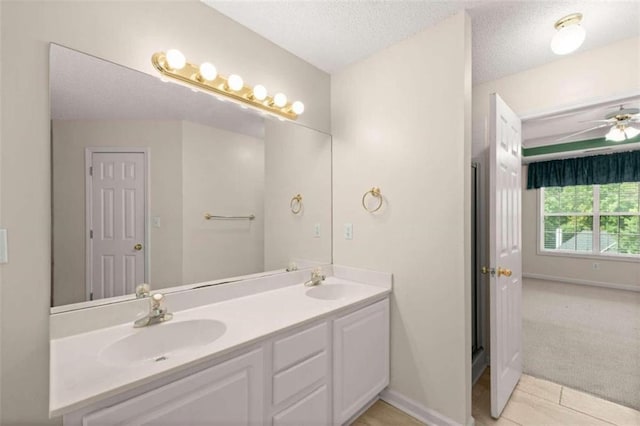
(115, 214)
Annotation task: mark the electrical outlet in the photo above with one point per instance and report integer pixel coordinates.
(348, 231)
(316, 230)
(596, 266)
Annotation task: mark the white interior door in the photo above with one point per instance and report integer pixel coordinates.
(505, 253)
(116, 213)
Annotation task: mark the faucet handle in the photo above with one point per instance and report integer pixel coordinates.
(156, 300)
(143, 290)
(317, 273)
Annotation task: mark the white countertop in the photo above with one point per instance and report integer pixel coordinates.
(79, 378)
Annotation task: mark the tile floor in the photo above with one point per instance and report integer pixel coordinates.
(534, 402)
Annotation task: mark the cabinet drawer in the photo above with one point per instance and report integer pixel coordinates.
(289, 382)
(310, 410)
(295, 348)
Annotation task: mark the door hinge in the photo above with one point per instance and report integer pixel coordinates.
(91, 234)
(90, 170)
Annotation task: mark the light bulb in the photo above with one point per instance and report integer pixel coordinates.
(280, 100)
(208, 71)
(235, 82)
(616, 134)
(567, 39)
(259, 92)
(632, 132)
(175, 59)
(297, 107)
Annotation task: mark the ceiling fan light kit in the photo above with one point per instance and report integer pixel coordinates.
(622, 133)
(570, 35)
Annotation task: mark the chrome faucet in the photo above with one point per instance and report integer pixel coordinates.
(156, 313)
(316, 278)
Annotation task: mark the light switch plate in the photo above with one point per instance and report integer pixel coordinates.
(4, 248)
(348, 231)
(155, 221)
(316, 230)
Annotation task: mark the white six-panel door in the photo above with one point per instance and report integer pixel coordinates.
(505, 253)
(116, 223)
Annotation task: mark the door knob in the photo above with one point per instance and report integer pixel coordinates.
(504, 271)
(137, 247)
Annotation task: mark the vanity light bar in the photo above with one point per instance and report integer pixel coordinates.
(172, 64)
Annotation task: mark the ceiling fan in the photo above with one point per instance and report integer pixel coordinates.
(620, 123)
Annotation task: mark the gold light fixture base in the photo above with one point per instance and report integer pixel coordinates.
(574, 18)
(190, 74)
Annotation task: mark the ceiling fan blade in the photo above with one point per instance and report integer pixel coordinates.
(583, 131)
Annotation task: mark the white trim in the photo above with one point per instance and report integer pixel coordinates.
(618, 97)
(88, 161)
(417, 410)
(578, 281)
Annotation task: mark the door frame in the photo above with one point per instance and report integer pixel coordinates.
(88, 194)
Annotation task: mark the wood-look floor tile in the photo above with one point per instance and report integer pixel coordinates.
(383, 414)
(481, 412)
(600, 408)
(528, 409)
(540, 388)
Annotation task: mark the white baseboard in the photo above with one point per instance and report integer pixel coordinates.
(615, 286)
(417, 410)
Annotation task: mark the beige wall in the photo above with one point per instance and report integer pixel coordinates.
(579, 78)
(297, 161)
(126, 33)
(70, 138)
(392, 128)
(223, 174)
(1, 222)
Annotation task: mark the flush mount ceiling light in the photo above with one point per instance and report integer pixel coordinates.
(570, 34)
(205, 77)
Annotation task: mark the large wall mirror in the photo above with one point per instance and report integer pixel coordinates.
(156, 183)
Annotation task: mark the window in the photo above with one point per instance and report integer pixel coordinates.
(591, 219)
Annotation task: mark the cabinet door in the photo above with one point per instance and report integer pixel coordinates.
(361, 359)
(226, 394)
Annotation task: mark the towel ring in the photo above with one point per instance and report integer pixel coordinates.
(296, 204)
(375, 192)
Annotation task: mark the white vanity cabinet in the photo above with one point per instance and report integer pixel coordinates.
(360, 359)
(322, 373)
(225, 394)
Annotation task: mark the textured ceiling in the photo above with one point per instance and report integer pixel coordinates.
(84, 87)
(508, 36)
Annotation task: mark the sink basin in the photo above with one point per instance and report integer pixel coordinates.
(331, 291)
(162, 341)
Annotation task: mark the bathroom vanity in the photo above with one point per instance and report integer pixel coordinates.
(293, 355)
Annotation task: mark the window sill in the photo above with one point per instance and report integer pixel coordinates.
(600, 257)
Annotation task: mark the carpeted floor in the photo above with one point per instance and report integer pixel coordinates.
(587, 338)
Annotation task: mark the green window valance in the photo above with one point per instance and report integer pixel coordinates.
(598, 169)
